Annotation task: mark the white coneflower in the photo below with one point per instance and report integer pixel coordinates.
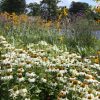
(89, 96)
(31, 80)
(97, 93)
(87, 61)
(4, 42)
(55, 48)
(65, 53)
(14, 92)
(23, 55)
(72, 78)
(6, 61)
(43, 43)
(3, 78)
(23, 92)
(22, 63)
(74, 55)
(88, 76)
(44, 63)
(28, 65)
(36, 63)
(96, 65)
(32, 74)
(7, 77)
(60, 74)
(84, 86)
(97, 98)
(53, 84)
(27, 99)
(8, 46)
(43, 80)
(9, 70)
(21, 79)
(62, 94)
(20, 70)
(63, 71)
(47, 70)
(54, 70)
(91, 81)
(0, 71)
(74, 72)
(82, 73)
(84, 98)
(79, 57)
(2, 38)
(61, 79)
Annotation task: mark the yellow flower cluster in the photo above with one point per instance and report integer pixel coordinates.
(97, 9)
(96, 59)
(13, 18)
(63, 13)
(98, 21)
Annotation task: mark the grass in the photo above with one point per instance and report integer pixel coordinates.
(34, 29)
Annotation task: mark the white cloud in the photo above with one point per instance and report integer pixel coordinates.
(63, 2)
(28, 1)
(38, 1)
(72, 0)
(66, 2)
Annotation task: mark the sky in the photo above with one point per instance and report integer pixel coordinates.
(66, 2)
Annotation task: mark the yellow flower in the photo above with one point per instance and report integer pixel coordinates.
(61, 39)
(96, 60)
(65, 11)
(98, 52)
(97, 9)
(59, 16)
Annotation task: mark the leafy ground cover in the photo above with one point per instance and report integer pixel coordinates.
(43, 71)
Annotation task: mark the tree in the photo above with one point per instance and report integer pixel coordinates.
(49, 8)
(10, 6)
(0, 5)
(79, 7)
(34, 9)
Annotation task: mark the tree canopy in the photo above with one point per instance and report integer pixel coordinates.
(10, 6)
(77, 7)
(34, 9)
(49, 7)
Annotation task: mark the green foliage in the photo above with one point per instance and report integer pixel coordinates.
(34, 9)
(78, 7)
(81, 34)
(81, 9)
(10, 6)
(49, 8)
(96, 16)
(85, 51)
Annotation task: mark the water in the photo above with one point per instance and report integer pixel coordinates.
(97, 34)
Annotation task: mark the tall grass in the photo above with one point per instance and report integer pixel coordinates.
(22, 30)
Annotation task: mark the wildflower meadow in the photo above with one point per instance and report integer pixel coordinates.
(50, 53)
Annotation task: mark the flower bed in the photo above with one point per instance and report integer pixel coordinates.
(45, 72)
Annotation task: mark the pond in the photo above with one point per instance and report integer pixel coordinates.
(97, 34)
